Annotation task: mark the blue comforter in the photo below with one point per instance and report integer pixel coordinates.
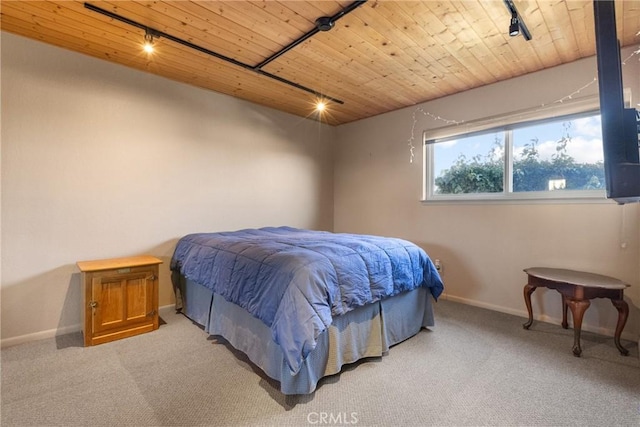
(295, 280)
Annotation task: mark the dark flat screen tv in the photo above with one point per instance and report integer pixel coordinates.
(619, 124)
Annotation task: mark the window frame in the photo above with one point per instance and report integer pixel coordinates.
(581, 107)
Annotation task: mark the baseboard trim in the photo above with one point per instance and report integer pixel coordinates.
(539, 317)
(51, 333)
(9, 342)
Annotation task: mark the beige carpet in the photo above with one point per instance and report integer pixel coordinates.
(476, 367)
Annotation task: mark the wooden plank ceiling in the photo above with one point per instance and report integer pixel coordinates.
(382, 56)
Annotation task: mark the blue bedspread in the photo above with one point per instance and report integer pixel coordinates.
(295, 280)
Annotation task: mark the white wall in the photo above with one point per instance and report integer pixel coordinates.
(102, 161)
(484, 247)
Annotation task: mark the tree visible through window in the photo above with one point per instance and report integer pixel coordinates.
(573, 161)
(480, 173)
(552, 155)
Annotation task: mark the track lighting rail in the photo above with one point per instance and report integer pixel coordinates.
(256, 69)
(323, 23)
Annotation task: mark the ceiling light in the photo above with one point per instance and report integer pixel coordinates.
(148, 42)
(516, 23)
(320, 106)
(514, 27)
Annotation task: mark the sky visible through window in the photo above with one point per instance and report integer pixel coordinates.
(585, 145)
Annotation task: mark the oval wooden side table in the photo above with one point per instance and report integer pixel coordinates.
(577, 289)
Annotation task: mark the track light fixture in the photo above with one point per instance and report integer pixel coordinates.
(516, 24)
(148, 41)
(321, 106)
(514, 27)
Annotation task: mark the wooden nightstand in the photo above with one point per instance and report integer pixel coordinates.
(119, 297)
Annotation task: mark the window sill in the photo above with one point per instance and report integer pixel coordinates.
(593, 197)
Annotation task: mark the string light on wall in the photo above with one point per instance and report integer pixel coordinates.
(572, 94)
(411, 140)
(592, 82)
(635, 52)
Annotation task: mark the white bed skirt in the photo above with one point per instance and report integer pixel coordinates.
(364, 332)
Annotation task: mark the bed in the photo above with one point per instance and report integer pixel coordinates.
(301, 303)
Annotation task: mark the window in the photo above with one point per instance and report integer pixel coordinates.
(556, 158)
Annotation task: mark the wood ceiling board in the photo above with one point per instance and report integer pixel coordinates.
(255, 20)
(224, 29)
(398, 49)
(211, 31)
(558, 22)
(362, 52)
(516, 54)
(582, 22)
(297, 68)
(382, 56)
(188, 28)
(420, 49)
(629, 22)
(483, 39)
(431, 31)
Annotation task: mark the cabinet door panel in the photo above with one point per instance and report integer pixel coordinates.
(139, 298)
(121, 300)
(110, 301)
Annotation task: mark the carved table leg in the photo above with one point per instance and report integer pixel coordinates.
(565, 325)
(528, 290)
(623, 313)
(578, 307)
